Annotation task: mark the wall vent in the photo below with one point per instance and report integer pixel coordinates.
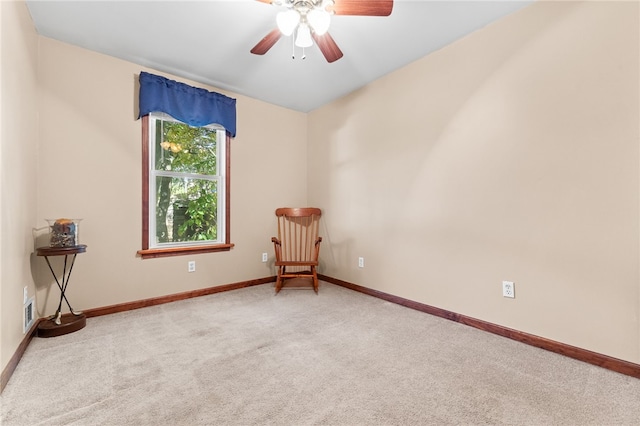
(29, 312)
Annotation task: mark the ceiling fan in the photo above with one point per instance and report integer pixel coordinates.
(309, 20)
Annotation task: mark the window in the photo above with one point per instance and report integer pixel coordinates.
(185, 187)
(185, 167)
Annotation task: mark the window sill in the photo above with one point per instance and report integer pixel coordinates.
(182, 251)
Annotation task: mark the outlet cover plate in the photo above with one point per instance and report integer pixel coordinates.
(361, 262)
(191, 266)
(265, 257)
(509, 289)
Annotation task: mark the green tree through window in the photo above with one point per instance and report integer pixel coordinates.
(186, 206)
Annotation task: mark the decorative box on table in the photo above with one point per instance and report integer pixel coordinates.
(64, 232)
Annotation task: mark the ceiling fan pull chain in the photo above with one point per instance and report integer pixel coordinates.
(293, 48)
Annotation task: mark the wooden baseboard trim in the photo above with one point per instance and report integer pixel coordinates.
(7, 372)
(604, 361)
(129, 306)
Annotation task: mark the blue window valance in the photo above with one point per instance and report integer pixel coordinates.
(192, 105)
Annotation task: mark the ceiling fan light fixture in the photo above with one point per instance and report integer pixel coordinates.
(287, 21)
(319, 20)
(303, 38)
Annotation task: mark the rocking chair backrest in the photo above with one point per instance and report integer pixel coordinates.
(298, 232)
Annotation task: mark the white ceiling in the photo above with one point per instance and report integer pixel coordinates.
(209, 41)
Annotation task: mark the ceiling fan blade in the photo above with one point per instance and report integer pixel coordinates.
(328, 47)
(267, 42)
(362, 8)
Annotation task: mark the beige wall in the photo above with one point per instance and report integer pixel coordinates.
(509, 155)
(89, 163)
(18, 160)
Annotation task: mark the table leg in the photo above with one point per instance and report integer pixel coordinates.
(63, 288)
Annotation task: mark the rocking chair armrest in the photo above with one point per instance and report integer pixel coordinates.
(319, 240)
(275, 241)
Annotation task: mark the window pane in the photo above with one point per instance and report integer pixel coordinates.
(186, 209)
(182, 148)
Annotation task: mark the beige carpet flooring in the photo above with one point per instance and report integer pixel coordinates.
(247, 357)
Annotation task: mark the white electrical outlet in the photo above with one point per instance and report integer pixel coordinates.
(361, 262)
(25, 295)
(264, 257)
(508, 289)
(191, 266)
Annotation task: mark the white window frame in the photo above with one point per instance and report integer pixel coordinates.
(219, 177)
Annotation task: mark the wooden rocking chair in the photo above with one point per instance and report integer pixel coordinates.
(298, 245)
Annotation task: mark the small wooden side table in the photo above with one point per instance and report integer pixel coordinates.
(59, 324)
